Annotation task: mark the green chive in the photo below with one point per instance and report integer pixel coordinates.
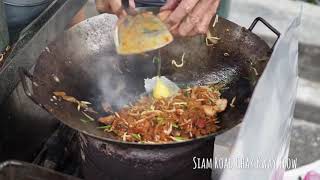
(175, 125)
(179, 139)
(186, 94)
(108, 127)
(155, 59)
(136, 136)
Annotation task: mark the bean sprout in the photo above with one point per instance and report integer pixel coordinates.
(89, 117)
(158, 120)
(211, 40)
(179, 65)
(255, 71)
(232, 102)
(124, 136)
(216, 20)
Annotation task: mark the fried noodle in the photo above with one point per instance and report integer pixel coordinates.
(190, 114)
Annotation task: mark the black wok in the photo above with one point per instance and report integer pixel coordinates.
(87, 66)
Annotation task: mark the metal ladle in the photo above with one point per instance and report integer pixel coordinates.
(139, 32)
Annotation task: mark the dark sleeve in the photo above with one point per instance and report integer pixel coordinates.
(150, 2)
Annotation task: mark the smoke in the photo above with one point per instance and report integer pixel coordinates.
(120, 79)
(110, 81)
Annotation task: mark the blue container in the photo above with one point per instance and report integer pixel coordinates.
(4, 36)
(21, 12)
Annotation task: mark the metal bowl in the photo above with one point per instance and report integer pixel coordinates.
(21, 13)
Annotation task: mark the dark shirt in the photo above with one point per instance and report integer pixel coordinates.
(150, 2)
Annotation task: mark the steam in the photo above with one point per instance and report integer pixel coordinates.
(120, 80)
(111, 82)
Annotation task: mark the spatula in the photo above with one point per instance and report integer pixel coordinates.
(140, 32)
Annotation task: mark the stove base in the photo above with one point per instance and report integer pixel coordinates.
(108, 161)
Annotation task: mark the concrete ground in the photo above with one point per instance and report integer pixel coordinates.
(278, 13)
(304, 145)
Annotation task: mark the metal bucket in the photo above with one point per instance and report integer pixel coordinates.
(15, 170)
(4, 35)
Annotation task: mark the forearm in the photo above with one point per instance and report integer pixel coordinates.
(110, 6)
(100, 5)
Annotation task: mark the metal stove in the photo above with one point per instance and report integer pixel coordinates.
(29, 43)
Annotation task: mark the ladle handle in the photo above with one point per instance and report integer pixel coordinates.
(274, 30)
(24, 74)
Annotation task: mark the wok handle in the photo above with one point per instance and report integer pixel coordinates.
(24, 74)
(274, 30)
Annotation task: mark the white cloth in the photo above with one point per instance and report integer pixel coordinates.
(265, 132)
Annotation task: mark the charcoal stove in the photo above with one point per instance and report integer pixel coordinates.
(172, 162)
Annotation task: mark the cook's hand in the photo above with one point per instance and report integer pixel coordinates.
(112, 7)
(189, 17)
